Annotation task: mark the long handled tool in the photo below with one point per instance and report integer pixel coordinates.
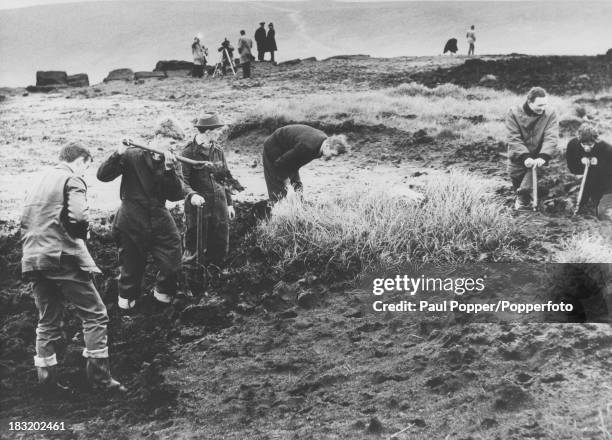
(202, 227)
(534, 185)
(201, 163)
(220, 172)
(581, 192)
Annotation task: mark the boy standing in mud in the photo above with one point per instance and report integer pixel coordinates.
(588, 150)
(291, 147)
(143, 224)
(533, 134)
(54, 227)
(203, 191)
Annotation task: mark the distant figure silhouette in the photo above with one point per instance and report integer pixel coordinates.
(451, 46)
(271, 42)
(471, 39)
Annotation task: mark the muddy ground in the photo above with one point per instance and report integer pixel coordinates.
(249, 361)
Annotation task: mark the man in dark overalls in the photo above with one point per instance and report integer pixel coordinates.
(214, 198)
(143, 224)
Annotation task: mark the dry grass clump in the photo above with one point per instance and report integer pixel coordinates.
(454, 220)
(585, 247)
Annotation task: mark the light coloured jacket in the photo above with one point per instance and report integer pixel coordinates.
(55, 222)
(530, 136)
(244, 49)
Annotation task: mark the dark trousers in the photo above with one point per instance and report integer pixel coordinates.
(197, 71)
(260, 54)
(272, 56)
(276, 183)
(166, 252)
(67, 285)
(246, 69)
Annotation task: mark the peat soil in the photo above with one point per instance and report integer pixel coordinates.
(274, 354)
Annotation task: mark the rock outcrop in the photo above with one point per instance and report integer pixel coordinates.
(120, 75)
(78, 80)
(51, 78)
(145, 75)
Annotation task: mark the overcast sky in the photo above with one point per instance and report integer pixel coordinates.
(11, 4)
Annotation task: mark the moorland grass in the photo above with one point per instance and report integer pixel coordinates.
(447, 109)
(454, 219)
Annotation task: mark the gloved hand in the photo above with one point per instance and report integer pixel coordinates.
(197, 200)
(231, 212)
(593, 161)
(539, 162)
(585, 161)
(529, 162)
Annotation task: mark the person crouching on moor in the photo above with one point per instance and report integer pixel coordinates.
(143, 224)
(291, 147)
(54, 227)
(587, 150)
(533, 134)
(203, 191)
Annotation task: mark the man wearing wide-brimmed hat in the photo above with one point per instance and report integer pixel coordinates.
(143, 225)
(260, 39)
(291, 147)
(587, 149)
(203, 190)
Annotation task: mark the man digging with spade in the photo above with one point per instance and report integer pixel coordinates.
(592, 157)
(143, 225)
(533, 134)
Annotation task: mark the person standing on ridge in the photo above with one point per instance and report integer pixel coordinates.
(244, 49)
(260, 40)
(271, 42)
(471, 39)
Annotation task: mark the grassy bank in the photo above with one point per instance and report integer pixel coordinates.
(453, 219)
(447, 111)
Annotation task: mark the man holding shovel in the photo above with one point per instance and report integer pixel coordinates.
(588, 155)
(143, 225)
(533, 134)
(208, 203)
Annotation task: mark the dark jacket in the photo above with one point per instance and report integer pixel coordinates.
(201, 181)
(55, 222)
(291, 147)
(271, 40)
(260, 38)
(145, 187)
(599, 178)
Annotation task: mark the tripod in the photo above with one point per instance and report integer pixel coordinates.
(219, 66)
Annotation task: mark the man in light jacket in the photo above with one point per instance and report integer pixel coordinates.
(244, 49)
(54, 227)
(533, 134)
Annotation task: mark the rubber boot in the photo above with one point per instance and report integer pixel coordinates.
(47, 380)
(98, 374)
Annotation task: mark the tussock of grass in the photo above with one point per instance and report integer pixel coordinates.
(454, 220)
(408, 107)
(586, 247)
